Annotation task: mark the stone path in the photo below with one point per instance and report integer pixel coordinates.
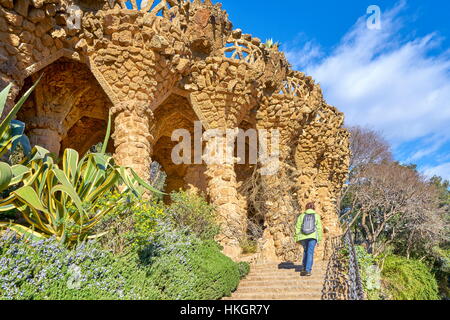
(281, 281)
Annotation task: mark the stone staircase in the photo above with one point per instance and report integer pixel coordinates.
(281, 281)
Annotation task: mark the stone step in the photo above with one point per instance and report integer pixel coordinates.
(279, 283)
(281, 277)
(297, 269)
(287, 265)
(282, 281)
(275, 296)
(286, 272)
(275, 274)
(315, 270)
(299, 290)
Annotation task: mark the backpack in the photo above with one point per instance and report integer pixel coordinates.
(309, 224)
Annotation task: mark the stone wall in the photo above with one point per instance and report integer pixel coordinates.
(162, 68)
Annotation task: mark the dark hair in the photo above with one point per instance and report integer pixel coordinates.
(310, 206)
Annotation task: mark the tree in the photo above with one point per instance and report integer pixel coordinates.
(443, 187)
(394, 204)
(387, 204)
(367, 147)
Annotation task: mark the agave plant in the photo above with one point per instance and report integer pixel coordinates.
(60, 200)
(11, 134)
(271, 44)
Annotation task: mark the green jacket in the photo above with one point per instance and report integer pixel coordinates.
(299, 236)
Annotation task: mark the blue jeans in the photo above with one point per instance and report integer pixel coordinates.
(308, 254)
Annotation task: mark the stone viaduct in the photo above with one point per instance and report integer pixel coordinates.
(163, 67)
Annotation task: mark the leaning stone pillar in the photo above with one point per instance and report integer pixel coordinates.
(222, 189)
(132, 138)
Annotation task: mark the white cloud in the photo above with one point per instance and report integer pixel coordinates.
(386, 80)
(427, 146)
(303, 52)
(442, 170)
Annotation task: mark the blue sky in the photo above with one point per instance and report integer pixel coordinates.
(395, 80)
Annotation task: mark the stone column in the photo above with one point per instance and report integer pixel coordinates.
(47, 138)
(46, 132)
(132, 138)
(278, 243)
(222, 189)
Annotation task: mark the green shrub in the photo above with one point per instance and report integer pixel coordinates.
(130, 224)
(45, 269)
(189, 210)
(408, 279)
(165, 262)
(441, 269)
(184, 267)
(370, 273)
(244, 269)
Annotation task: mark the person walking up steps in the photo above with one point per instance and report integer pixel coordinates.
(309, 233)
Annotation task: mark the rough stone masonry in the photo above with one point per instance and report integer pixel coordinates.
(162, 68)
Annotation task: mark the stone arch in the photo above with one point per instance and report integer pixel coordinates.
(68, 109)
(176, 113)
(245, 177)
(18, 76)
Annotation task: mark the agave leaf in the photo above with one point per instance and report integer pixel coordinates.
(50, 191)
(107, 136)
(44, 179)
(30, 197)
(19, 171)
(23, 231)
(70, 164)
(31, 207)
(96, 236)
(5, 123)
(67, 188)
(3, 97)
(36, 174)
(80, 213)
(90, 172)
(110, 181)
(7, 207)
(39, 153)
(145, 184)
(5, 146)
(17, 131)
(25, 143)
(34, 218)
(96, 169)
(5, 204)
(6, 175)
(17, 128)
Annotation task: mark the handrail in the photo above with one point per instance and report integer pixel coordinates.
(342, 280)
